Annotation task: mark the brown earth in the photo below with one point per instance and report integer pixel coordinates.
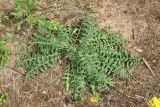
(138, 20)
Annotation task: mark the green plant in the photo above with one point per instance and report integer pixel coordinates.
(100, 56)
(2, 26)
(3, 97)
(94, 56)
(46, 46)
(4, 50)
(42, 24)
(24, 7)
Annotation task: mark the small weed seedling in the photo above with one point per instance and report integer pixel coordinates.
(3, 97)
(4, 50)
(24, 7)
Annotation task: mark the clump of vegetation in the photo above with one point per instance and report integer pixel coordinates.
(24, 7)
(47, 46)
(99, 56)
(3, 97)
(4, 50)
(94, 56)
(2, 26)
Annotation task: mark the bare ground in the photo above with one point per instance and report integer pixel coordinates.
(138, 20)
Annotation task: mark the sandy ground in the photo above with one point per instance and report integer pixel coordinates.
(138, 20)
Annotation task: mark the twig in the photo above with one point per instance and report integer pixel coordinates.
(133, 35)
(146, 97)
(138, 96)
(133, 98)
(148, 66)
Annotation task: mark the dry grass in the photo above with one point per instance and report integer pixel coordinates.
(43, 91)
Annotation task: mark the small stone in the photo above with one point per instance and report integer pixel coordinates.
(154, 61)
(44, 92)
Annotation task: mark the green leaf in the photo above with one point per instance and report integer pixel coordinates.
(7, 36)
